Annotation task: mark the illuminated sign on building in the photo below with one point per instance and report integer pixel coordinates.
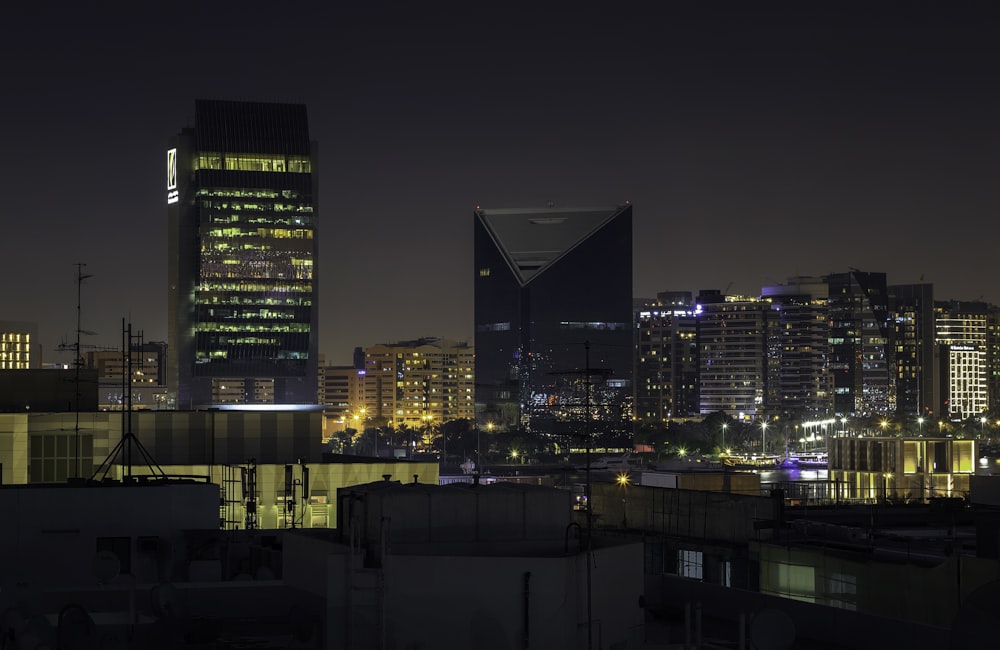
(172, 195)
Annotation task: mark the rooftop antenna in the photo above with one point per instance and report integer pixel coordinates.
(129, 439)
(587, 373)
(77, 360)
(590, 511)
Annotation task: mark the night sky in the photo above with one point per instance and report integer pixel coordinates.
(755, 140)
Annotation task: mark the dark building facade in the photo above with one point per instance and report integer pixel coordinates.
(862, 360)
(805, 386)
(48, 390)
(666, 360)
(243, 267)
(553, 308)
(918, 390)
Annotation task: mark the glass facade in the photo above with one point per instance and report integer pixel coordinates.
(553, 308)
(243, 257)
(917, 389)
(862, 358)
(804, 383)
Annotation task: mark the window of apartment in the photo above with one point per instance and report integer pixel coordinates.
(689, 564)
(842, 591)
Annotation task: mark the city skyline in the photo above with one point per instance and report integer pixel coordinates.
(755, 144)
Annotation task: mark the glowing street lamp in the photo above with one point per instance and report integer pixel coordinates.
(920, 426)
(883, 424)
(763, 437)
(982, 426)
(724, 427)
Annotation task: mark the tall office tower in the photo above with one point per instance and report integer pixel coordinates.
(737, 341)
(961, 331)
(16, 339)
(666, 359)
(242, 212)
(993, 359)
(805, 385)
(553, 308)
(418, 383)
(911, 311)
(862, 355)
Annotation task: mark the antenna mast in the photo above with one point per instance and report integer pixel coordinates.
(78, 361)
(129, 439)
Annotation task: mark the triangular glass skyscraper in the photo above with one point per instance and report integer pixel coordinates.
(553, 306)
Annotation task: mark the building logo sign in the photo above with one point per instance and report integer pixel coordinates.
(172, 194)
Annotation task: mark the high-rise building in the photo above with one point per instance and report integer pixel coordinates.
(553, 318)
(242, 211)
(961, 331)
(341, 393)
(666, 362)
(993, 359)
(805, 386)
(918, 389)
(425, 382)
(737, 340)
(862, 355)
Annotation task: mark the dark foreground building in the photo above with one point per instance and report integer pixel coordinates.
(242, 208)
(553, 306)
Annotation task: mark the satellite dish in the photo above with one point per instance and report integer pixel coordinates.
(106, 566)
(772, 629)
(76, 629)
(976, 624)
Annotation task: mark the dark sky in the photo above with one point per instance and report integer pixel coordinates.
(755, 140)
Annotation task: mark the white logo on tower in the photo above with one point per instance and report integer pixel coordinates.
(172, 176)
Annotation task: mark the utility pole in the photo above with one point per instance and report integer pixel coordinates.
(78, 362)
(590, 515)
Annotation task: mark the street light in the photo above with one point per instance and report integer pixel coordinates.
(489, 437)
(763, 437)
(982, 426)
(724, 427)
(920, 427)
